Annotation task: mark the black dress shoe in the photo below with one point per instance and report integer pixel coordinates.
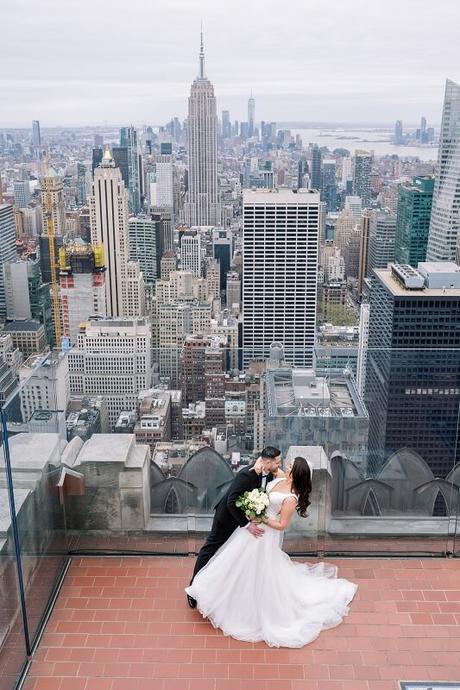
(191, 601)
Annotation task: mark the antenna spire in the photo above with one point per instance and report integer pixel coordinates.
(201, 72)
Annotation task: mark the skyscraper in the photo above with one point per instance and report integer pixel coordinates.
(164, 233)
(27, 297)
(202, 206)
(362, 169)
(108, 205)
(161, 194)
(21, 193)
(82, 286)
(315, 178)
(7, 247)
(191, 253)
(364, 250)
(52, 196)
(226, 125)
(128, 140)
(36, 136)
(280, 262)
(251, 115)
(222, 251)
(142, 232)
(354, 204)
(347, 173)
(382, 233)
(413, 220)
(398, 137)
(302, 174)
(329, 185)
(99, 364)
(412, 389)
(97, 158)
(445, 214)
(423, 129)
(81, 184)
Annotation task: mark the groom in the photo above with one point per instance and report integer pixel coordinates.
(227, 516)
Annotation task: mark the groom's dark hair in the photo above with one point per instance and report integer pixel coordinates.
(270, 452)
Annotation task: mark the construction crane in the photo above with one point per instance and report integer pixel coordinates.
(49, 207)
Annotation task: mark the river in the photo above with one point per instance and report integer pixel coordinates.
(377, 140)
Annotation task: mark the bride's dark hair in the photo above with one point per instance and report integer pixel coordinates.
(301, 484)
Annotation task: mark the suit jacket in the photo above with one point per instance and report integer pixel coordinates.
(227, 514)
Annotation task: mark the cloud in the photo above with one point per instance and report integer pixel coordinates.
(86, 61)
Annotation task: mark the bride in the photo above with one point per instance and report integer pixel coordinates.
(253, 591)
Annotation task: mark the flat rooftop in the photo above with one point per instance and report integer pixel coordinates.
(27, 325)
(280, 196)
(398, 290)
(296, 392)
(124, 624)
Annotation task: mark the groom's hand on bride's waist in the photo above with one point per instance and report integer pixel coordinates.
(255, 529)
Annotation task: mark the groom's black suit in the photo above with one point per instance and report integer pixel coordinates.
(228, 517)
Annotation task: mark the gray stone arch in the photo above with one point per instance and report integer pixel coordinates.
(207, 471)
(426, 494)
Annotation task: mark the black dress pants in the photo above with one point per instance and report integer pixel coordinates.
(217, 537)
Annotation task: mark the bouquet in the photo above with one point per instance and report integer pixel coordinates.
(253, 504)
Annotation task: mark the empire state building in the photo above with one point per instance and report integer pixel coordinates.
(202, 207)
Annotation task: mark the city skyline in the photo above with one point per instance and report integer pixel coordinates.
(305, 76)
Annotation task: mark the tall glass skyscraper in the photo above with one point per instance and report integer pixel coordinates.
(36, 136)
(328, 184)
(413, 220)
(226, 125)
(445, 215)
(315, 180)
(251, 115)
(128, 140)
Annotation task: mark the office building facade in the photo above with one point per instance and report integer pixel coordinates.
(112, 358)
(413, 220)
(280, 262)
(128, 141)
(382, 232)
(82, 286)
(412, 387)
(362, 169)
(142, 234)
(7, 247)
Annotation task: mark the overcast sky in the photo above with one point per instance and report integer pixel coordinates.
(77, 62)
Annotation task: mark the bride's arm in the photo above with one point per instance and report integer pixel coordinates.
(285, 516)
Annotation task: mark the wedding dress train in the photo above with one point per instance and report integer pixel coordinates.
(254, 592)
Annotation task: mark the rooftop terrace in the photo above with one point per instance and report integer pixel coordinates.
(123, 624)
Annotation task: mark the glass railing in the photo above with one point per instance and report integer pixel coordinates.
(379, 428)
(33, 424)
(14, 639)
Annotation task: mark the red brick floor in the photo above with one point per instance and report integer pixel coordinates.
(123, 624)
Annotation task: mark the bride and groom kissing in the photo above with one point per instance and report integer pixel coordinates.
(245, 584)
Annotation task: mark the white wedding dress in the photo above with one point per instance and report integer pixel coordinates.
(253, 591)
